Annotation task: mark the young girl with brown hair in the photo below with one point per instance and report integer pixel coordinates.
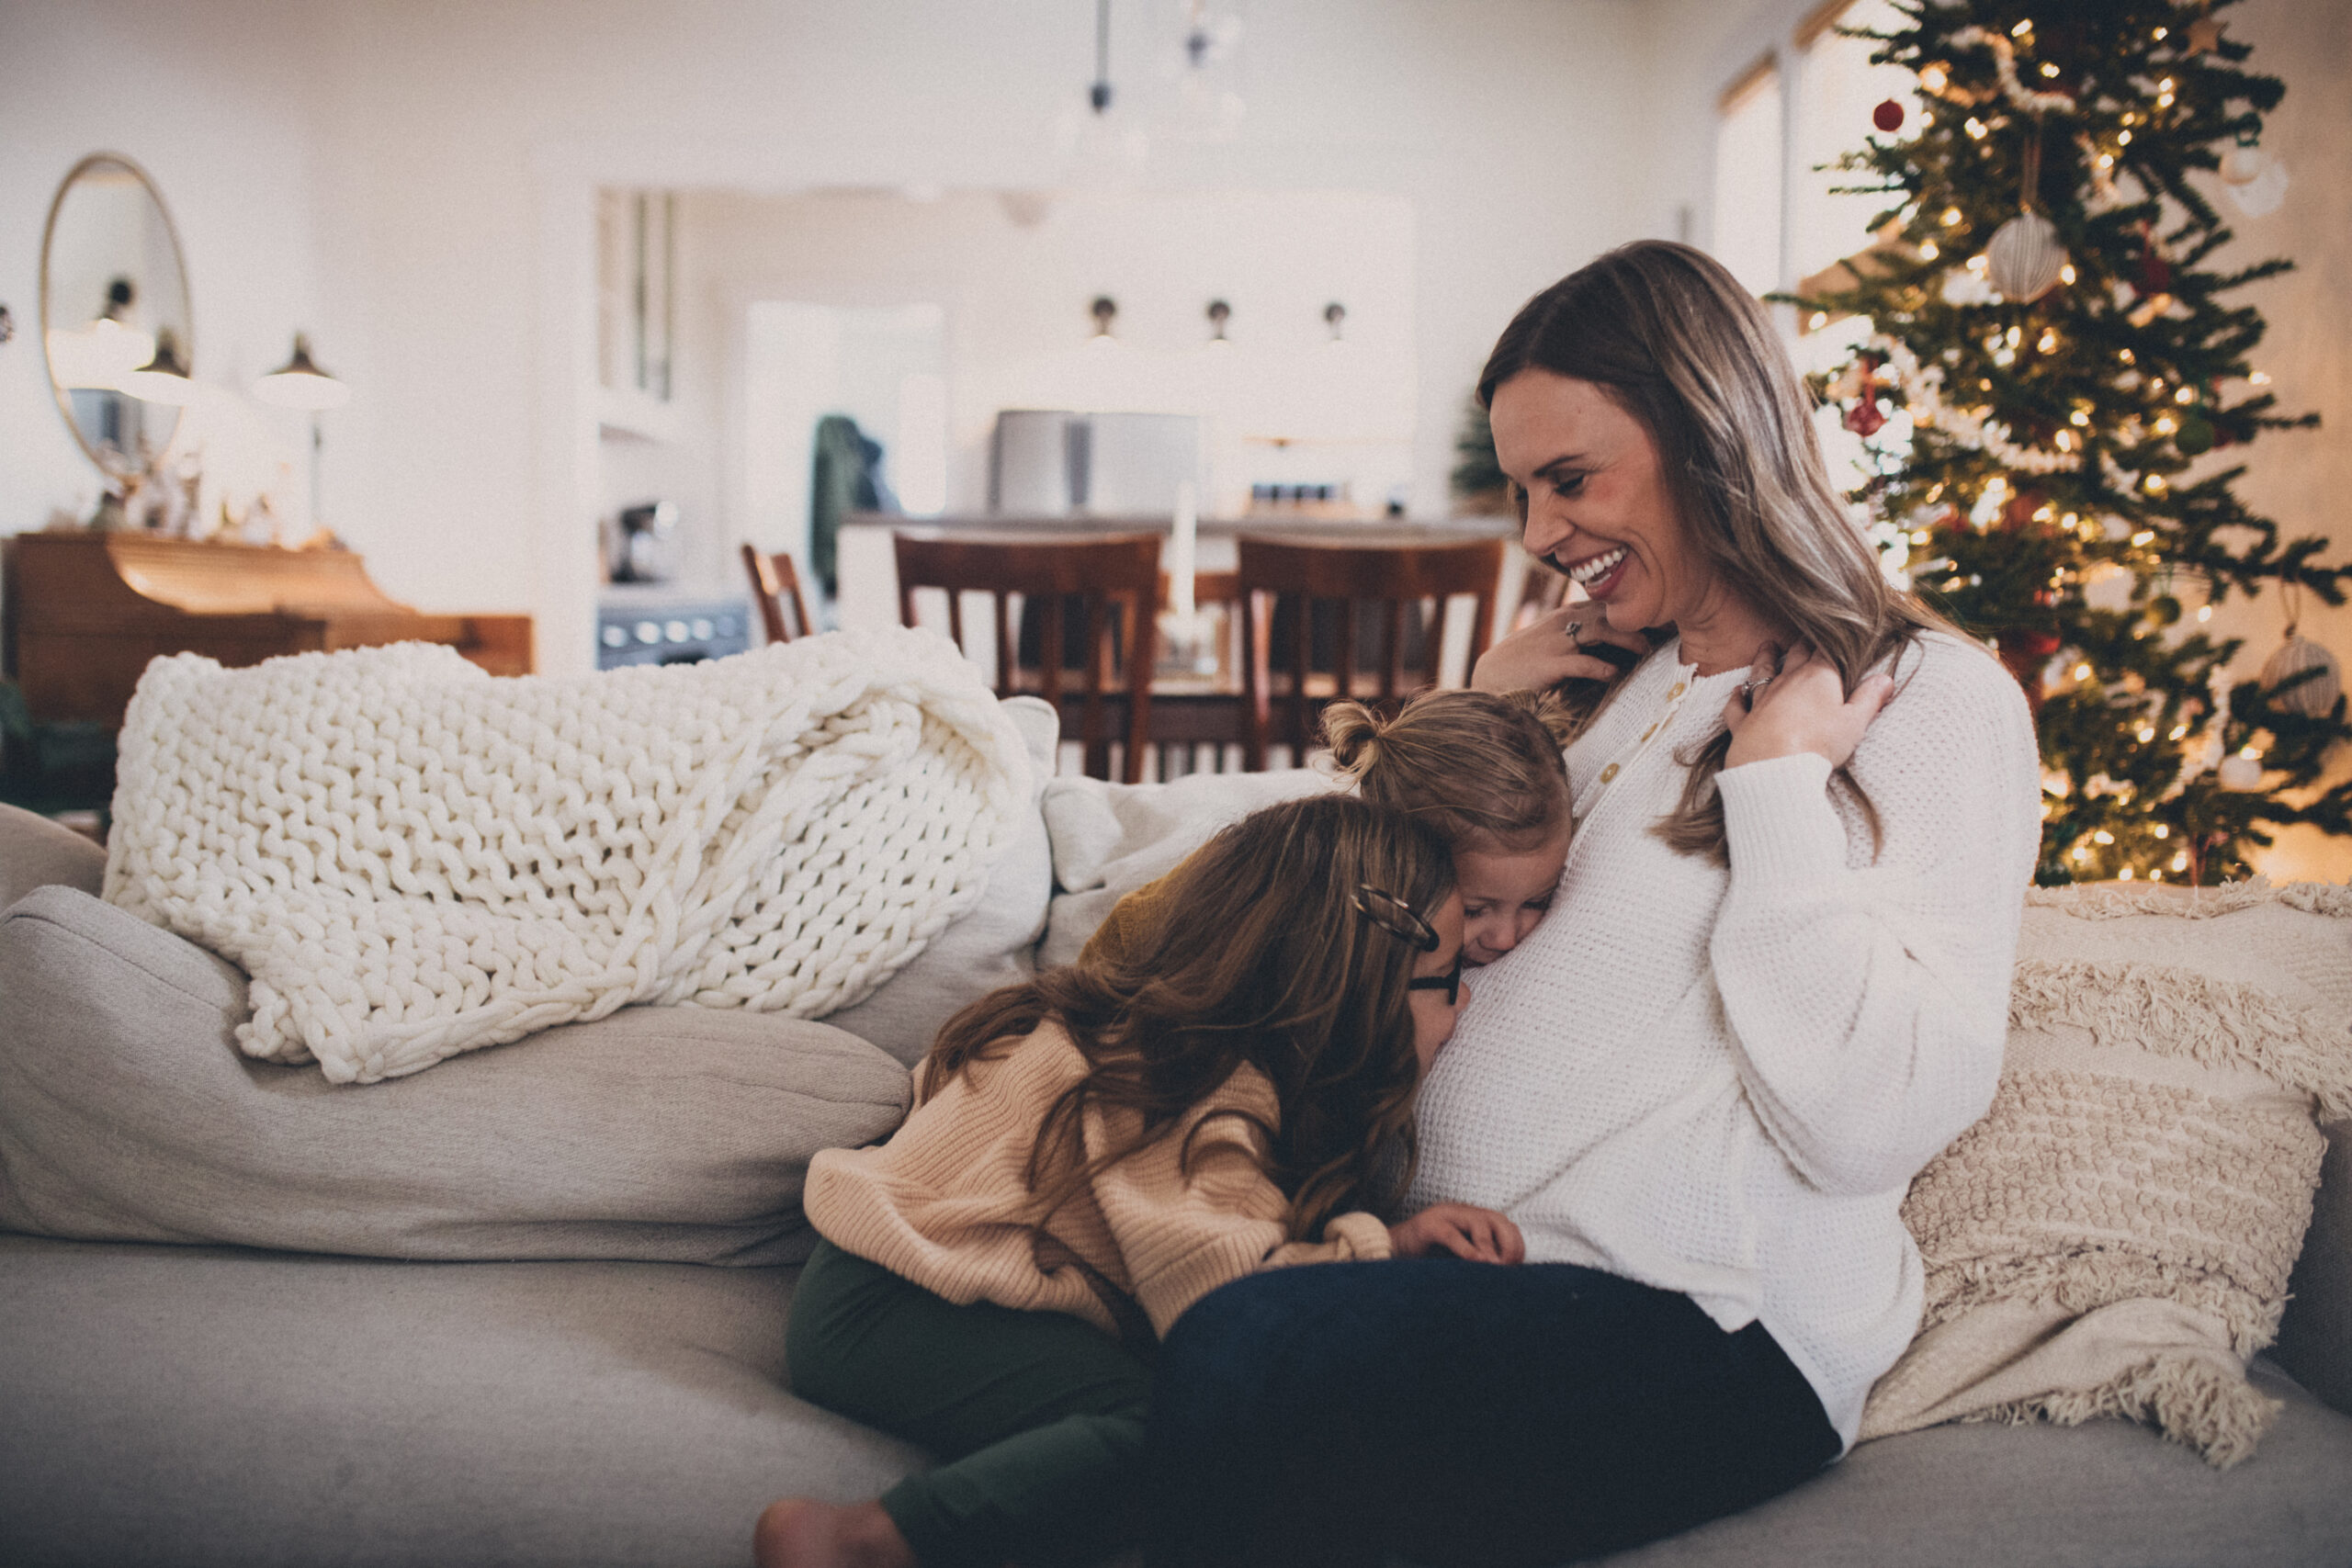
(1096, 1149)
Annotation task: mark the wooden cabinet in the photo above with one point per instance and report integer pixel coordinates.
(85, 612)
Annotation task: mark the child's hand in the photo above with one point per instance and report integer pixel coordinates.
(1800, 704)
(1479, 1235)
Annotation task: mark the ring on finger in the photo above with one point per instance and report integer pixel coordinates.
(1575, 634)
(1749, 688)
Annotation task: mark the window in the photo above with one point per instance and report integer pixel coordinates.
(1747, 178)
(1836, 90)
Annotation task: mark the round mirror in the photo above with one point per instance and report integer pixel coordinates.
(114, 313)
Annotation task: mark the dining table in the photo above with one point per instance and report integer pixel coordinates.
(1196, 696)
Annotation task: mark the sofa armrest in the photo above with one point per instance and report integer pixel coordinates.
(36, 851)
(2315, 1336)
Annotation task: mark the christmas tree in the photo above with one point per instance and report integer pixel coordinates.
(2051, 392)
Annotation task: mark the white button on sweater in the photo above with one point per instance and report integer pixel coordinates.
(1720, 1082)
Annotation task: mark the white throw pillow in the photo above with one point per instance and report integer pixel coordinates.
(1109, 839)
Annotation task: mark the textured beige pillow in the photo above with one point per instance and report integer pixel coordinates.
(2116, 1236)
(673, 1134)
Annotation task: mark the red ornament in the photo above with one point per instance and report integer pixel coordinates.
(2025, 649)
(1863, 418)
(1888, 116)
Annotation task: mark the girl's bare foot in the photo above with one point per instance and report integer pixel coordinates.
(800, 1532)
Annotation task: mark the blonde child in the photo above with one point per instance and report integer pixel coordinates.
(1094, 1151)
(1485, 770)
(1482, 769)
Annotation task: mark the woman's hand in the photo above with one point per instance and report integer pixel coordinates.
(1481, 1235)
(1543, 654)
(1798, 703)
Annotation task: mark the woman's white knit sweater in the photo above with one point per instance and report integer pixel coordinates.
(1720, 1082)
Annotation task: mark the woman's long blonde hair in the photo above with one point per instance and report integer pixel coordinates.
(1259, 949)
(1677, 343)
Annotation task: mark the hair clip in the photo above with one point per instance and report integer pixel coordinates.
(1395, 915)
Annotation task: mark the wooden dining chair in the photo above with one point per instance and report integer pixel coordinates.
(1194, 719)
(776, 584)
(1319, 594)
(1103, 590)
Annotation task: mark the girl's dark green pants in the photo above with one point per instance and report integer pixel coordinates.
(1037, 1417)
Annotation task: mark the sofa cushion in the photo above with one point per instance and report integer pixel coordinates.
(2315, 1334)
(672, 1133)
(203, 1406)
(2117, 1235)
(2107, 1495)
(215, 1409)
(36, 853)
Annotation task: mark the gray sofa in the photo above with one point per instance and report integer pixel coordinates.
(165, 1403)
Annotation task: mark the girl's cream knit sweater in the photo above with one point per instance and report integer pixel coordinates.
(1720, 1080)
(946, 1202)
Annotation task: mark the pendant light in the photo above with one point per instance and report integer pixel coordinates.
(300, 384)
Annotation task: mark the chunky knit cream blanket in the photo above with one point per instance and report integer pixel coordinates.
(411, 858)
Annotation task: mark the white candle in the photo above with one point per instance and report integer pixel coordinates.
(1183, 537)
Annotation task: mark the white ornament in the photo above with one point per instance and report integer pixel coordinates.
(2244, 166)
(2314, 697)
(2243, 774)
(2024, 257)
(2260, 196)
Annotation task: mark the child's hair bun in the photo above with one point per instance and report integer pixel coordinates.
(1545, 706)
(1352, 731)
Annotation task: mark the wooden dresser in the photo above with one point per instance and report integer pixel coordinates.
(86, 611)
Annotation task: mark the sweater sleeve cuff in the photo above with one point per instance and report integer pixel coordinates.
(1778, 822)
(1366, 1237)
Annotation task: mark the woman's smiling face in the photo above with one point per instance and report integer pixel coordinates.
(1598, 504)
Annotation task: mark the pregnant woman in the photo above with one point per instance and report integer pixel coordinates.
(1773, 987)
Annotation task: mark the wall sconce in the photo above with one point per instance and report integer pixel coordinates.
(162, 379)
(1106, 309)
(1219, 312)
(1334, 314)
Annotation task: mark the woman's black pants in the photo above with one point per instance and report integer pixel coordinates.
(1452, 1413)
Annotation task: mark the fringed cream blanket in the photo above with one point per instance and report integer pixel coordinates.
(412, 859)
(2115, 1237)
